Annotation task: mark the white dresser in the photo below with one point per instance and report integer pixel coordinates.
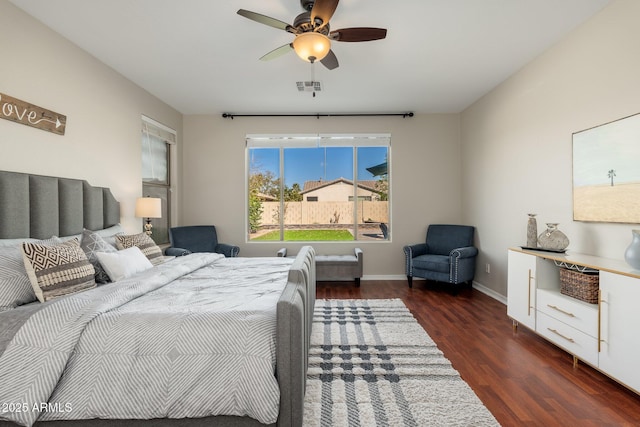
(605, 335)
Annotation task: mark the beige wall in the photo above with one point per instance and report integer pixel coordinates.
(425, 178)
(103, 109)
(516, 141)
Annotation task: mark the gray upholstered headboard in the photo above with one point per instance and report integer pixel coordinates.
(42, 206)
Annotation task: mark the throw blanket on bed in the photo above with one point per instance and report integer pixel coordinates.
(190, 338)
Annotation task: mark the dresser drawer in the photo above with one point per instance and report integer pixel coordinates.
(572, 340)
(577, 314)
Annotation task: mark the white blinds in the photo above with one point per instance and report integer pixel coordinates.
(155, 140)
(158, 130)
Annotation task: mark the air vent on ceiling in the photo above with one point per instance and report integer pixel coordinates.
(309, 86)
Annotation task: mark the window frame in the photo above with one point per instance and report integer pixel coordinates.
(149, 188)
(355, 141)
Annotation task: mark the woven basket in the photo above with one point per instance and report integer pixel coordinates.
(582, 286)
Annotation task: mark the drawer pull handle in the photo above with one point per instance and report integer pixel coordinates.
(561, 311)
(529, 296)
(560, 335)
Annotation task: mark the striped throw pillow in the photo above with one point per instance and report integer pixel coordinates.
(57, 270)
(144, 243)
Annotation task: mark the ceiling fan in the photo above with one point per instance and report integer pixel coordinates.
(313, 35)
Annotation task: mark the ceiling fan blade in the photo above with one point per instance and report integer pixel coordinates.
(323, 10)
(330, 61)
(267, 20)
(360, 34)
(278, 52)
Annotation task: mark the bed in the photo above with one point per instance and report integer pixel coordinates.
(195, 340)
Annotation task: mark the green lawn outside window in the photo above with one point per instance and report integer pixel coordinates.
(307, 235)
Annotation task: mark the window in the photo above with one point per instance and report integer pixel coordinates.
(318, 187)
(156, 172)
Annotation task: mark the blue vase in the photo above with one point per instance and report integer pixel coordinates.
(632, 254)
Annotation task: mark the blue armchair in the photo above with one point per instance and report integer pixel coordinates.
(197, 238)
(448, 255)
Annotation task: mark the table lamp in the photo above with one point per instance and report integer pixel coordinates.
(148, 207)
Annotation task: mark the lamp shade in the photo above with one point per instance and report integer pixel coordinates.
(149, 207)
(311, 46)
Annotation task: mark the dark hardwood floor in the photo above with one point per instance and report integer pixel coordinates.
(522, 379)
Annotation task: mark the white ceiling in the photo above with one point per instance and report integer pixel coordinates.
(200, 57)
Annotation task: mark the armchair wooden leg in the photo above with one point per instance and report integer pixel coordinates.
(357, 282)
(410, 279)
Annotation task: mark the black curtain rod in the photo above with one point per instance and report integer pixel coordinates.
(318, 115)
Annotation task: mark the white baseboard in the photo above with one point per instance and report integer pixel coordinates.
(490, 292)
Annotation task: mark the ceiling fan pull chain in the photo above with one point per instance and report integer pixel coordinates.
(313, 78)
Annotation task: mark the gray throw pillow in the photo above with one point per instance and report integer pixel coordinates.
(91, 243)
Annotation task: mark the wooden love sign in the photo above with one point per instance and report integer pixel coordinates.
(31, 115)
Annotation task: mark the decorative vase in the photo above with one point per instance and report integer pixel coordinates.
(532, 231)
(552, 238)
(632, 254)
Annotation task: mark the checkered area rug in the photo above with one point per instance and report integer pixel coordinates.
(372, 364)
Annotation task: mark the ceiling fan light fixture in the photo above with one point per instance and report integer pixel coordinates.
(311, 46)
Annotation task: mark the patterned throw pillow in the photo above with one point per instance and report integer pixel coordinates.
(57, 270)
(91, 243)
(144, 243)
(15, 287)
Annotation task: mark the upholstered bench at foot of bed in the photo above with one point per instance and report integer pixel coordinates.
(337, 267)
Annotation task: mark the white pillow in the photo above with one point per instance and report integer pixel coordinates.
(4, 243)
(125, 263)
(111, 231)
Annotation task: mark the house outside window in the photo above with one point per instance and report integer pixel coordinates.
(319, 187)
(157, 140)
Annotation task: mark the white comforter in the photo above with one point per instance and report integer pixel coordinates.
(190, 338)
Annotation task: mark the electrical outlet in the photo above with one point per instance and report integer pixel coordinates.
(487, 268)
